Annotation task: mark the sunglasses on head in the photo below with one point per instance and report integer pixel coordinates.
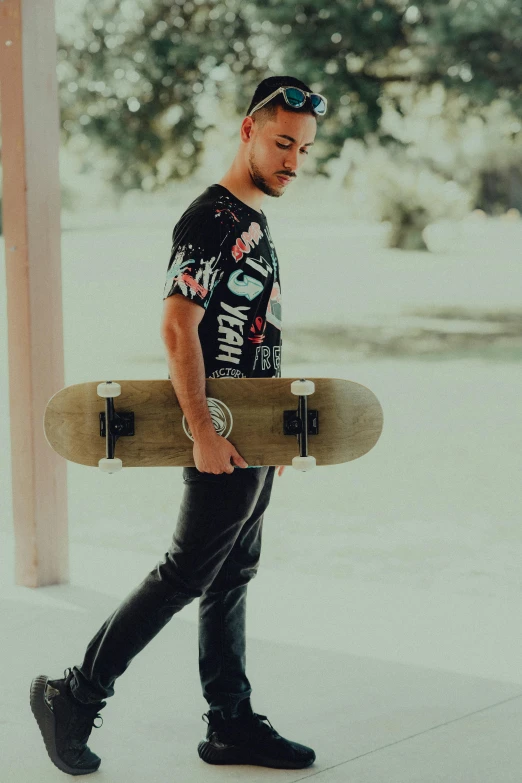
(296, 97)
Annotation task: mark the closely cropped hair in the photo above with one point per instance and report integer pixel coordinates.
(269, 111)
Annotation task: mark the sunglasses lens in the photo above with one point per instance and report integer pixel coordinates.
(295, 96)
(318, 103)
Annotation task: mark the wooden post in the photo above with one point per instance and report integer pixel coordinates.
(31, 217)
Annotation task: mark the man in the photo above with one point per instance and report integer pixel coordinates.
(225, 322)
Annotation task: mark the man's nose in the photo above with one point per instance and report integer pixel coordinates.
(291, 160)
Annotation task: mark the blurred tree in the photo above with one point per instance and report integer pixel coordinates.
(499, 188)
(139, 77)
(476, 48)
(364, 54)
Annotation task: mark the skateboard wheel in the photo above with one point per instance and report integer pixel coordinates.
(303, 387)
(110, 465)
(109, 389)
(303, 463)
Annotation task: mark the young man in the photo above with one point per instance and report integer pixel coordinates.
(225, 322)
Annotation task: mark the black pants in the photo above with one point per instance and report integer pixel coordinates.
(214, 553)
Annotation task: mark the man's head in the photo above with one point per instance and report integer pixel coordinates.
(277, 137)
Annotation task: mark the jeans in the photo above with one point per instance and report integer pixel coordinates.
(214, 553)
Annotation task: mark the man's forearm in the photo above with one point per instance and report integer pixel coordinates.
(187, 373)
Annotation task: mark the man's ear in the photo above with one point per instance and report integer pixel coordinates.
(247, 129)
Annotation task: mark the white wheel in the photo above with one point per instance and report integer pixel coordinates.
(109, 389)
(303, 463)
(303, 387)
(110, 465)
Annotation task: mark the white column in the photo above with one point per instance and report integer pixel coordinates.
(31, 217)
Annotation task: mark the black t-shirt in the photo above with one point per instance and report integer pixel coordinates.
(223, 258)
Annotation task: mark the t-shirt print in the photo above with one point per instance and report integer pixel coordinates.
(223, 259)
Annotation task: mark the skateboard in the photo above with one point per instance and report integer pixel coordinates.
(270, 421)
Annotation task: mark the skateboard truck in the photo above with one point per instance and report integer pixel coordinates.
(115, 425)
(294, 424)
(112, 426)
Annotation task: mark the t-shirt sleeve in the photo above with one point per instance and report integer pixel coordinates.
(196, 261)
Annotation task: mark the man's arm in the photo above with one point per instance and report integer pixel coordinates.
(179, 332)
(187, 373)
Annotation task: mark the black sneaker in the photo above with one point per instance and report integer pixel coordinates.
(65, 724)
(247, 740)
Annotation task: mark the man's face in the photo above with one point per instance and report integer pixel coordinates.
(279, 149)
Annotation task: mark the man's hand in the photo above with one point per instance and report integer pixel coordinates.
(280, 469)
(212, 454)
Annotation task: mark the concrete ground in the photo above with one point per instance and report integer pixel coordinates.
(386, 683)
(383, 625)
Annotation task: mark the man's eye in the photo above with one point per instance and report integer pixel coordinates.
(287, 147)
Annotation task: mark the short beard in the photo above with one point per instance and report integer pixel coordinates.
(259, 181)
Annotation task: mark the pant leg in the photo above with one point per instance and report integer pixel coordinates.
(222, 612)
(213, 510)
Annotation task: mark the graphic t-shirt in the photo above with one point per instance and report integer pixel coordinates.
(223, 258)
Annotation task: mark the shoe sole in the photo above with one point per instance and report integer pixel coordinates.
(46, 723)
(236, 755)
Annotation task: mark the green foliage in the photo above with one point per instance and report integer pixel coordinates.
(134, 77)
(137, 77)
(477, 48)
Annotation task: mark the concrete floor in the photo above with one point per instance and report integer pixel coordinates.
(334, 665)
(383, 625)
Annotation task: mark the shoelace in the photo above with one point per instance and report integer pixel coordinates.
(84, 718)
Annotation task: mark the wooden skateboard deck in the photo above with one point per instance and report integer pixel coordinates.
(148, 427)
